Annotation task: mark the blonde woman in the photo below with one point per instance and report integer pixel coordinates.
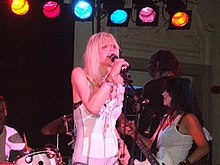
(98, 95)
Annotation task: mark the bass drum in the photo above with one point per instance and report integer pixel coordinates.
(45, 156)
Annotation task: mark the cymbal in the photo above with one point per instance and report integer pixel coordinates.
(59, 125)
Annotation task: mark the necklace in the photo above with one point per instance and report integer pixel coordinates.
(166, 123)
(168, 120)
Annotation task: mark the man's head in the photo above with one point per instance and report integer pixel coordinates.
(162, 62)
(3, 110)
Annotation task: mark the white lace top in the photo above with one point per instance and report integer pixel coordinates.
(96, 133)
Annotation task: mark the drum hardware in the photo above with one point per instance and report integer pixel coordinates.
(63, 124)
(58, 140)
(67, 119)
(72, 141)
(45, 156)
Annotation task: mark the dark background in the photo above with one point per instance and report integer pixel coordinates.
(36, 58)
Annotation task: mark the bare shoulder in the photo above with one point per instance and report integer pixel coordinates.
(190, 120)
(190, 116)
(77, 70)
(77, 73)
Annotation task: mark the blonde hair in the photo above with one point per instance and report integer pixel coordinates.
(91, 55)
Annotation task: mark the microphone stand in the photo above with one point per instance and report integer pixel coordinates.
(139, 104)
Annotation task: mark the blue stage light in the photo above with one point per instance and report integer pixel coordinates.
(83, 10)
(118, 16)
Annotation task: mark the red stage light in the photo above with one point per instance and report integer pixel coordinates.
(51, 9)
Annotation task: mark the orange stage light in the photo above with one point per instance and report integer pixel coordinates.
(180, 19)
(20, 7)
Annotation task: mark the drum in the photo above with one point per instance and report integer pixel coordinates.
(45, 156)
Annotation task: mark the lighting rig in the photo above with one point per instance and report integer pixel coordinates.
(147, 11)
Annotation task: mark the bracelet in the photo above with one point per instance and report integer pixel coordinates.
(120, 141)
(188, 162)
(109, 79)
(111, 84)
(185, 162)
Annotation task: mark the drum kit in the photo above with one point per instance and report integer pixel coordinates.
(49, 155)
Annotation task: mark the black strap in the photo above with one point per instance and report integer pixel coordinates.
(178, 124)
(76, 105)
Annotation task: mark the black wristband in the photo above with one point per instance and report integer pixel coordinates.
(185, 162)
(188, 162)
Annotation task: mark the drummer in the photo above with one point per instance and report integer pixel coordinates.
(9, 137)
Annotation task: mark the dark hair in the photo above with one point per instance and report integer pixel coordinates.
(4, 104)
(2, 99)
(163, 61)
(181, 92)
(183, 97)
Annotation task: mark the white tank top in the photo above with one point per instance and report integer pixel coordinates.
(171, 140)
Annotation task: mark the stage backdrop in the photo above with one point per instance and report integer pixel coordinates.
(35, 67)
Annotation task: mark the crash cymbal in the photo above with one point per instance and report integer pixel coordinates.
(60, 125)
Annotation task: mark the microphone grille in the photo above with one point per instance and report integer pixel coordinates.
(113, 57)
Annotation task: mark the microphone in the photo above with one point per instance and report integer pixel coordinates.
(113, 57)
(215, 89)
(144, 102)
(140, 103)
(123, 68)
(149, 111)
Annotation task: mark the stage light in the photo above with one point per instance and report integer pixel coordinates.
(117, 14)
(20, 7)
(119, 17)
(51, 9)
(147, 13)
(83, 10)
(180, 18)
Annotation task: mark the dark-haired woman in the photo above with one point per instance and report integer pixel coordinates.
(179, 127)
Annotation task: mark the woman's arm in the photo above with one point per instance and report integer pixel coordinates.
(130, 130)
(96, 99)
(123, 153)
(93, 101)
(191, 125)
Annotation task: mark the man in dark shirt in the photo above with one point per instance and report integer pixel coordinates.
(161, 66)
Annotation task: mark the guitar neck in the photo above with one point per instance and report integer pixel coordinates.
(147, 153)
